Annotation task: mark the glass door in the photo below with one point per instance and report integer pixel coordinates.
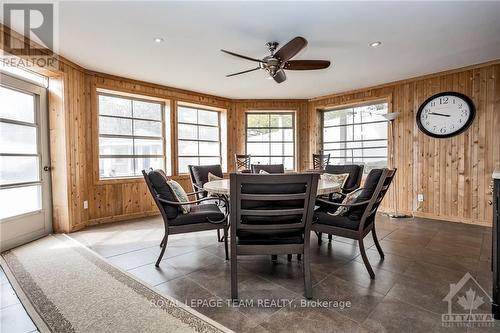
(25, 201)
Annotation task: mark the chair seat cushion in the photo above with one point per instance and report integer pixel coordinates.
(321, 216)
(270, 237)
(198, 214)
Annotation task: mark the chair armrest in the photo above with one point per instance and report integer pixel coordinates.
(350, 189)
(193, 193)
(177, 203)
(335, 205)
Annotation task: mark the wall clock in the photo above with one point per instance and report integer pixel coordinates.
(445, 114)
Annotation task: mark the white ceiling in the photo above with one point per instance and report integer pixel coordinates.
(418, 38)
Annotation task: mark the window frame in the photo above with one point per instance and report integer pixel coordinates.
(163, 136)
(198, 140)
(293, 142)
(352, 157)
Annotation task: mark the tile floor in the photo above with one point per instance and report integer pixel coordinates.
(422, 258)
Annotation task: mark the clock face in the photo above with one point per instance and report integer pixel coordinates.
(445, 114)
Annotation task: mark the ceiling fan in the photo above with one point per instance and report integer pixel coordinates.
(276, 63)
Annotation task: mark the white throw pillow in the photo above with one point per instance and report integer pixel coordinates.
(212, 177)
(337, 178)
(349, 199)
(180, 194)
(263, 172)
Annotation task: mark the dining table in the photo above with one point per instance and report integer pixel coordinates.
(221, 187)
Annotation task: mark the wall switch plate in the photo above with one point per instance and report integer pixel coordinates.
(420, 197)
(85, 204)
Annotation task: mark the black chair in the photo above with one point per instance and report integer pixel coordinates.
(199, 176)
(359, 220)
(355, 175)
(242, 163)
(269, 168)
(200, 218)
(271, 215)
(320, 161)
(352, 183)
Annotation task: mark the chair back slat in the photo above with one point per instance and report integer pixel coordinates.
(266, 201)
(320, 161)
(242, 162)
(269, 168)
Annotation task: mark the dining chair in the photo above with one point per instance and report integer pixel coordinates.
(269, 168)
(357, 219)
(320, 161)
(199, 176)
(243, 163)
(200, 218)
(352, 183)
(271, 215)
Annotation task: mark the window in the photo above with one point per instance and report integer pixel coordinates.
(199, 137)
(270, 138)
(356, 135)
(131, 136)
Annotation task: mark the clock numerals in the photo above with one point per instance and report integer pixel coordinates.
(445, 114)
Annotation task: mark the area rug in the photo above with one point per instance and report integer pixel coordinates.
(66, 287)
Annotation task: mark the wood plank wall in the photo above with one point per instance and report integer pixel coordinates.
(453, 174)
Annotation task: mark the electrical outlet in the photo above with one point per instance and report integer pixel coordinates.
(420, 197)
(85, 204)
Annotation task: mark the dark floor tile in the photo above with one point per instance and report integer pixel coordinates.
(185, 290)
(391, 262)
(155, 275)
(308, 319)
(392, 315)
(356, 272)
(424, 295)
(192, 261)
(361, 300)
(133, 259)
(433, 274)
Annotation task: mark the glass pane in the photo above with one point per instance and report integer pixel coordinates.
(148, 147)
(209, 133)
(187, 115)
(208, 117)
(258, 120)
(17, 139)
(276, 149)
(261, 160)
(288, 134)
(209, 148)
(146, 163)
(373, 112)
(281, 120)
(16, 105)
(377, 152)
(120, 126)
(147, 110)
(188, 148)
(258, 149)
(374, 131)
(147, 128)
(277, 160)
(277, 135)
(20, 200)
(288, 150)
(371, 163)
(209, 160)
(115, 146)
(18, 169)
(334, 118)
(115, 106)
(185, 161)
(257, 135)
(334, 134)
(289, 163)
(116, 167)
(187, 131)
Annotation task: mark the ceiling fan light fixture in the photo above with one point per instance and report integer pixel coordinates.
(158, 40)
(375, 44)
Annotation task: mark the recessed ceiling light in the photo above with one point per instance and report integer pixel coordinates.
(375, 44)
(158, 39)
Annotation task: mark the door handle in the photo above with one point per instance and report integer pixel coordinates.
(47, 168)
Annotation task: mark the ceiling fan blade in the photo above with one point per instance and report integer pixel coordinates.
(287, 51)
(243, 72)
(280, 76)
(305, 65)
(241, 56)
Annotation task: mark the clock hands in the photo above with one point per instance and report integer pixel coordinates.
(440, 114)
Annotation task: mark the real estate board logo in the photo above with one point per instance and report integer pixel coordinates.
(30, 40)
(468, 304)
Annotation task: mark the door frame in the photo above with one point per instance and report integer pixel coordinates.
(43, 142)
